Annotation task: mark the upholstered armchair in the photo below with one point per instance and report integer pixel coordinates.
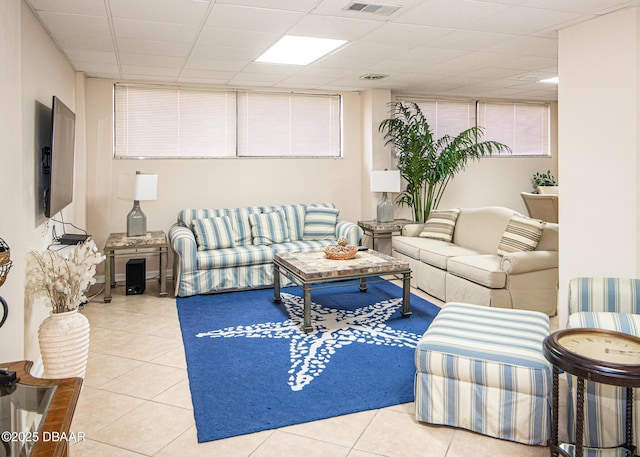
(612, 304)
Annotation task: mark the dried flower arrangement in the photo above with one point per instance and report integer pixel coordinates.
(63, 280)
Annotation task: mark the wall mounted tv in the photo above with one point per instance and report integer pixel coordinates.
(58, 160)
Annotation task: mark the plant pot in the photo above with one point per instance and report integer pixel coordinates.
(548, 190)
(64, 344)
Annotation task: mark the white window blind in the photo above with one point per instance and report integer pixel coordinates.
(289, 125)
(448, 117)
(160, 122)
(524, 127)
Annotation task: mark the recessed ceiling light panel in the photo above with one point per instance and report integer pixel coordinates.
(554, 80)
(299, 50)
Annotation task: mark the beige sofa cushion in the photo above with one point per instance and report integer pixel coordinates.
(481, 269)
(482, 228)
(438, 256)
(411, 245)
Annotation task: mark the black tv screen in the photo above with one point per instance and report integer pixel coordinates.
(58, 161)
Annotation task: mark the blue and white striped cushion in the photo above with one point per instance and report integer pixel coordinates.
(269, 228)
(320, 223)
(618, 295)
(213, 233)
(483, 369)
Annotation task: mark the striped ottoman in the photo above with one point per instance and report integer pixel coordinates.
(482, 369)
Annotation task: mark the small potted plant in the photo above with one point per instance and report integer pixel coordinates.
(544, 183)
(62, 280)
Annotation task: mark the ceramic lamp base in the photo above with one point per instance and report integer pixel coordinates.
(136, 221)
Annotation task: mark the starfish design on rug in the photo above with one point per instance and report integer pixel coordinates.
(334, 328)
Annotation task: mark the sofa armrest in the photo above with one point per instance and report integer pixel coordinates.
(525, 262)
(351, 231)
(412, 229)
(183, 243)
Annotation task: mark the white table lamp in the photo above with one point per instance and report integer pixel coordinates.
(385, 181)
(137, 187)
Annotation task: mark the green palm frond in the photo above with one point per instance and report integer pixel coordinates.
(428, 165)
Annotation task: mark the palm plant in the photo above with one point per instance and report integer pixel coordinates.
(426, 164)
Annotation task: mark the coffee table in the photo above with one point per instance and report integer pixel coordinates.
(307, 269)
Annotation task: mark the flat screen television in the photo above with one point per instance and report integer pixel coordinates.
(58, 160)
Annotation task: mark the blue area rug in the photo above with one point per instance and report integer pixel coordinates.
(252, 368)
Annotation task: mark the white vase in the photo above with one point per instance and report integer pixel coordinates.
(64, 344)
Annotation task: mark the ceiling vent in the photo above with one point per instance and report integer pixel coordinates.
(372, 77)
(384, 10)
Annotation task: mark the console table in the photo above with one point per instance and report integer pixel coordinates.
(36, 414)
(119, 244)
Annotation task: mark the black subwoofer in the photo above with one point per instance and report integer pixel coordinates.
(136, 273)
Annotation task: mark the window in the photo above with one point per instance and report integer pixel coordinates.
(524, 127)
(172, 122)
(288, 125)
(160, 122)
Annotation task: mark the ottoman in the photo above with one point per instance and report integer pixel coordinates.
(482, 369)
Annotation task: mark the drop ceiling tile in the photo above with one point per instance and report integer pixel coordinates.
(152, 48)
(97, 68)
(85, 7)
(527, 45)
(286, 5)
(340, 61)
(339, 28)
(580, 6)
(520, 20)
(150, 72)
(247, 18)
(405, 36)
(248, 39)
(145, 60)
(203, 61)
(67, 24)
(470, 40)
(171, 11)
(89, 55)
(337, 8)
(155, 31)
(449, 13)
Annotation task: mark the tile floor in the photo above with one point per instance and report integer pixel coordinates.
(136, 402)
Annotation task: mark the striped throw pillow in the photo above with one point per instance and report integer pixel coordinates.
(441, 224)
(213, 233)
(522, 234)
(320, 223)
(269, 228)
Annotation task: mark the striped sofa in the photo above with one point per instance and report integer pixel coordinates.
(611, 304)
(483, 369)
(220, 249)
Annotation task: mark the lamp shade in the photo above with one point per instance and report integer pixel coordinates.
(385, 181)
(137, 186)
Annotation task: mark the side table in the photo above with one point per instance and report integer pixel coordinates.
(383, 230)
(119, 244)
(599, 355)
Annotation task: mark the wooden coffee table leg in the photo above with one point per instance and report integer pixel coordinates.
(307, 327)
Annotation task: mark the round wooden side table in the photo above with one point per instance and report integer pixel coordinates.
(597, 355)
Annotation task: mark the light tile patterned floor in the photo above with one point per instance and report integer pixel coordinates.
(136, 402)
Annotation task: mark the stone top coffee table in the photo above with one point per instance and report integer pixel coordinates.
(306, 269)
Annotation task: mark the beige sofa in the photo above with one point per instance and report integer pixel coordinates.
(469, 270)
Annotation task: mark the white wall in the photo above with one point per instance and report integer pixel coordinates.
(598, 118)
(12, 333)
(32, 71)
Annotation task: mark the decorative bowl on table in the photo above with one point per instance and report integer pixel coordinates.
(342, 251)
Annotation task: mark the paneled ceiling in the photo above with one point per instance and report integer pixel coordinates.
(458, 48)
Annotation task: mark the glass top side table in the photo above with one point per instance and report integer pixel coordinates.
(120, 244)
